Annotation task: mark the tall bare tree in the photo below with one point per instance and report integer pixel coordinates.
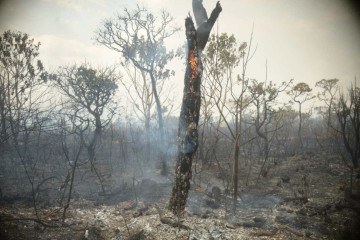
(90, 94)
(264, 99)
(139, 36)
(300, 94)
(227, 91)
(21, 74)
(330, 89)
(21, 115)
(140, 94)
(348, 115)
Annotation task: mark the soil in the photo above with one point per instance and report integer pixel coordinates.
(302, 197)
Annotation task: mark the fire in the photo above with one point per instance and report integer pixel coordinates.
(193, 64)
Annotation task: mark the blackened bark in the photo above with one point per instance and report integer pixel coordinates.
(188, 122)
(189, 118)
(204, 24)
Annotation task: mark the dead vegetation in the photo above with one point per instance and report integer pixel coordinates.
(316, 207)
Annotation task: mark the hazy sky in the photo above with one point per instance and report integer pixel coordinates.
(307, 40)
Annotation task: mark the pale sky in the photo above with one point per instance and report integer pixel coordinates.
(307, 40)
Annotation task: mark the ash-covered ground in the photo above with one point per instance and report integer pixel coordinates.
(301, 197)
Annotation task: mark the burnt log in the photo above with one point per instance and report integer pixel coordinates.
(190, 110)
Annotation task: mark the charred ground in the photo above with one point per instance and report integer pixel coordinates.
(302, 197)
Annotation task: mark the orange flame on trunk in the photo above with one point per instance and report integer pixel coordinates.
(193, 64)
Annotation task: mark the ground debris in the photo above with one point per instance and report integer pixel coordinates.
(264, 211)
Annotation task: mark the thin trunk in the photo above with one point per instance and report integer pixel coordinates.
(3, 134)
(72, 182)
(147, 144)
(92, 151)
(158, 108)
(236, 170)
(161, 133)
(300, 126)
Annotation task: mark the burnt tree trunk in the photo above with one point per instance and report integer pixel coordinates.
(188, 122)
(190, 108)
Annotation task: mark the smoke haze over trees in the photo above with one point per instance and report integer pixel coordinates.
(81, 135)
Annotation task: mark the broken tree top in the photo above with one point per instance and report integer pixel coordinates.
(204, 24)
(191, 103)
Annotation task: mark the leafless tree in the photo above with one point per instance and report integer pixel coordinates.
(227, 91)
(21, 75)
(300, 94)
(328, 94)
(326, 135)
(23, 117)
(264, 98)
(89, 93)
(140, 93)
(286, 116)
(72, 152)
(348, 115)
(139, 36)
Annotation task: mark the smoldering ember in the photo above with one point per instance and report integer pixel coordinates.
(118, 151)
